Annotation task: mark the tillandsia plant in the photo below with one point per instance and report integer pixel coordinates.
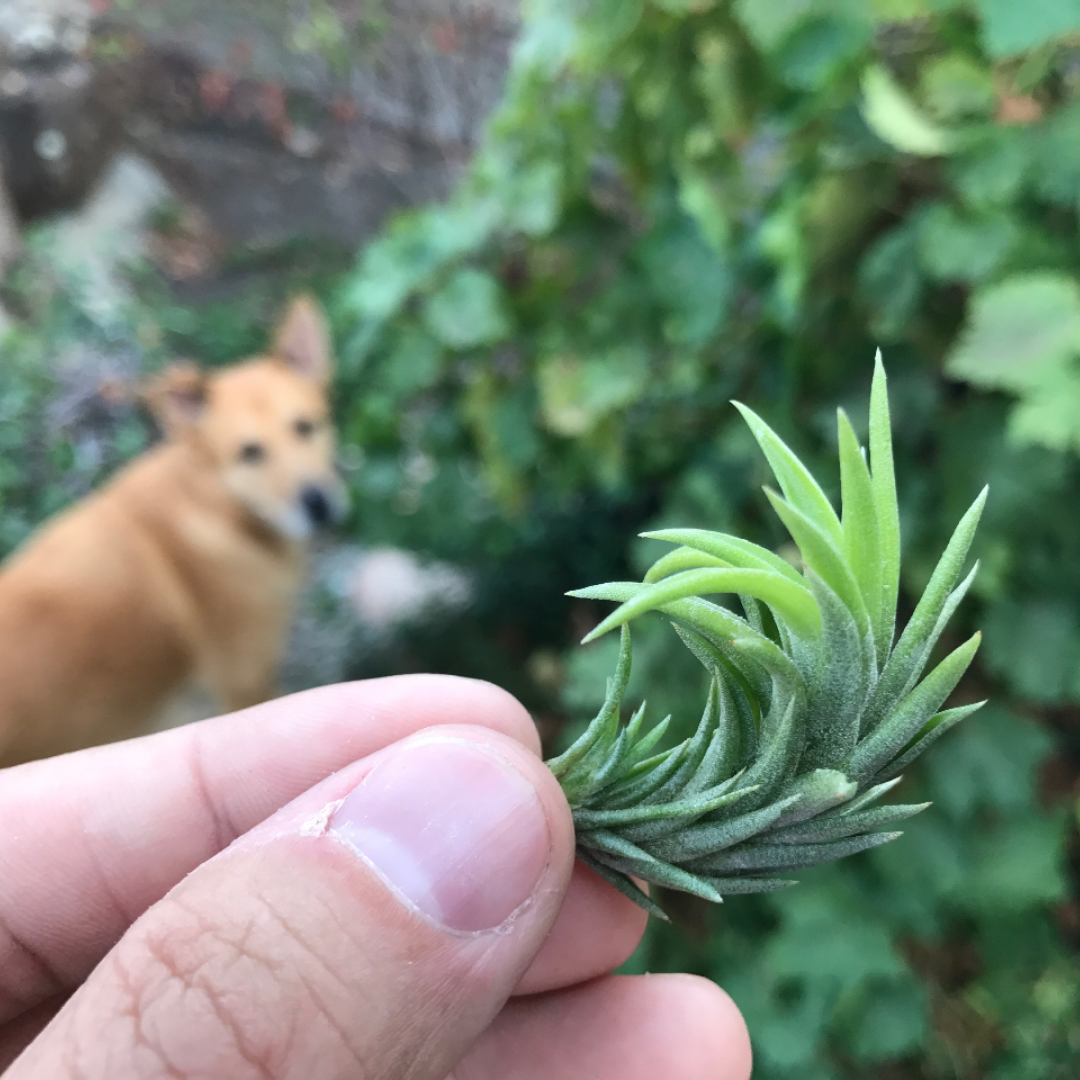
(814, 707)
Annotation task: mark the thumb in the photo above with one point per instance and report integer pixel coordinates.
(374, 927)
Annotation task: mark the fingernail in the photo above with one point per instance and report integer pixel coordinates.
(453, 828)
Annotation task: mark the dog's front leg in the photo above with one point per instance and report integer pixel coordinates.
(243, 696)
(240, 684)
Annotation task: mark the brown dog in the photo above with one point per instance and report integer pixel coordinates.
(185, 565)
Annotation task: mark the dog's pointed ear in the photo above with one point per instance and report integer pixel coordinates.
(177, 398)
(302, 341)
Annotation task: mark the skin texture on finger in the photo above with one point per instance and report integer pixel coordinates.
(289, 955)
(678, 1027)
(596, 931)
(17, 1035)
(92, 839)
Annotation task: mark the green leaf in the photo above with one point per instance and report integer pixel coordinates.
(992, 169)
(1017, 330)
(1009, 28)
(912, 713)
(764, 856)
(647, 778)
(683, 558)
(1034, 645)
(623, 883)
(769, 24)
(741, 886)
(686, 809)
(611, 849)
(467, 311)
(889, 1021)
(701, 840)
(723, 666)
(578, 392)
(720, 626)
(1055, 171)
(791, 602)
(533, 198)
(681, 785)
(1047, 415)
(862, 544)
(989, 768)
(833, 827)
(609, 711)
(891, 283)
(839, 692)
(725, 749)
(689, 278)
(781, 740)
(888, 510)
(1018, 867)
(731, 549)
(895, 119)
(820, 553)
(684, 7)
(956, 87)
(818, 792)
(799, 487)
(818, 50)
(414, 362)
(870, 796)
(954, 246)
(928, 620)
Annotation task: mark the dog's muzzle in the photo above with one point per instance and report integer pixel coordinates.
(317, 506)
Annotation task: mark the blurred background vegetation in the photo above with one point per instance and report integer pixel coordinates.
(673, 203)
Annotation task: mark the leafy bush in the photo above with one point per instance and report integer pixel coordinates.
(685, 199)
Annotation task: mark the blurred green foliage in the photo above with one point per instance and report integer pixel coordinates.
(679, 202)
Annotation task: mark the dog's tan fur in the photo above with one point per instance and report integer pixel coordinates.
(185, 565)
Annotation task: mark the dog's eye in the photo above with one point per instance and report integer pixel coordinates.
(252, 453)
(304, 428)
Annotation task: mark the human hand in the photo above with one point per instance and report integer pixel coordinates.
(201, 903)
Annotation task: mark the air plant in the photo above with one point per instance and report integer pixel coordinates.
(815, 704)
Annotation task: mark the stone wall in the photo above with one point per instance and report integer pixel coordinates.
(274, 117)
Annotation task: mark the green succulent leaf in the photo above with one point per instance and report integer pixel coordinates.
(883, 478)
(790, 602)
(862, 540)
(731, 549)
(823, 556)
(811, 714)
(798, 486)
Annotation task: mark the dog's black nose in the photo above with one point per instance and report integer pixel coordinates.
(316, 505)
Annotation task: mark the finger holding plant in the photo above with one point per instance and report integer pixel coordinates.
(815, 705)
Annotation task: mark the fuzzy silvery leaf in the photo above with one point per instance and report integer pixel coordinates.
(813, 708)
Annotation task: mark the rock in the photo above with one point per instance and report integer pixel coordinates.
(30, 29)
(314, 120)
(61, 108)
(390, 586)
(92, 248)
